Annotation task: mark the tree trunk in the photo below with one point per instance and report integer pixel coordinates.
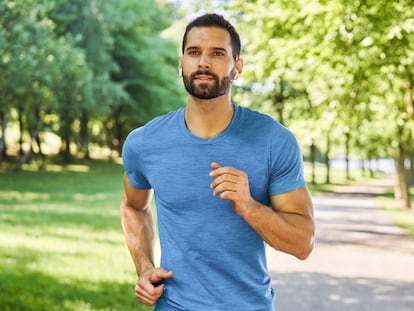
(364, 166)
(39, 126)
(3, 148)
(412, 170)
(403, 189)
(39, 144)
(371, 156)
(66, 134)
(371, 170)
(21, 129)
(118, 136)
(347, 139)
(313, 160)
(25, 158)
(279, 100)
(327, 158)
(84, 134)
(408, 99)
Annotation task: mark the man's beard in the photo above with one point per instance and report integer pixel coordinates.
(207, 90)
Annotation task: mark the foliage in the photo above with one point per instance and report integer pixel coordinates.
(340, 73)
(99, 65)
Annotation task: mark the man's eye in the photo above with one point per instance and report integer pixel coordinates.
(218, 53)
(193, 53)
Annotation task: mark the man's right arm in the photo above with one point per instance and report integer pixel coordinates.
(139, 230)
(138, 225)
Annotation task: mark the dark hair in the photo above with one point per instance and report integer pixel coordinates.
(215, 20)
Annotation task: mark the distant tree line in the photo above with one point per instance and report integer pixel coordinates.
(86, 70)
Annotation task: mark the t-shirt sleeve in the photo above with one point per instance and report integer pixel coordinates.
(132, 157)
(286, 163)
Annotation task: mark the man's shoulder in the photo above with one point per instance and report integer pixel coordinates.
(165, 119)
(159, 122)
(260, 119)
(155, 128)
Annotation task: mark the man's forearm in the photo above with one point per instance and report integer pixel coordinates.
(286, 232)
(288, 226)
(138, 227)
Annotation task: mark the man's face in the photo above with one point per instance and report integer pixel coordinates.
(209, 89)
(207, 63)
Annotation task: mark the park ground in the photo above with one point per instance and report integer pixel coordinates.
(361, 261)
(62, 247)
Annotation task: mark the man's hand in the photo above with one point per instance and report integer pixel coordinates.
(149, 288)
(232, 185)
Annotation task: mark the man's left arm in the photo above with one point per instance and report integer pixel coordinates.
(288, 227)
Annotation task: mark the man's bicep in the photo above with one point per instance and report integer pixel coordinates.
(297, 201)
(134, 197)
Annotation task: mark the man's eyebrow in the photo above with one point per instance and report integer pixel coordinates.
(192, 48)
(214, 48)
(220, 49)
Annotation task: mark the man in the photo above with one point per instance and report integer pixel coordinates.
(226, 180)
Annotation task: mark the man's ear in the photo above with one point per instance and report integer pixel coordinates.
(239, 66)
(180, 67)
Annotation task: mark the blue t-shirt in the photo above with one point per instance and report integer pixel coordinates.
(218, 260)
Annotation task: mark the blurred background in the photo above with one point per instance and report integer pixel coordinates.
(77, 75)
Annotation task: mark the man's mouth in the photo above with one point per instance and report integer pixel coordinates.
(203, 77)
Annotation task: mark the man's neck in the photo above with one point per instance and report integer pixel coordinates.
(208, 118)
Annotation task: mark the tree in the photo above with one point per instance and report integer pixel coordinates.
(73, 92)
(395, 38)
(27, 36)
(88, 24)
(148, 65)
(84, 64)
(288, 43)
(352, 61)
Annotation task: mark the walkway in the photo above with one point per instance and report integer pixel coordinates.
(361, 260)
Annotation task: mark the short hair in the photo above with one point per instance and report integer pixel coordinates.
(215, 20)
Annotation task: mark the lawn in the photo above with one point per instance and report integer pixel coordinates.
(402, 216)
(61, 241)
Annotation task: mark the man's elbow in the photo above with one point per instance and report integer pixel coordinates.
(307, 242)
(305, 250)
(304, 254)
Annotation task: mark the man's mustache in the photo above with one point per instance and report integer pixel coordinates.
(203, 72)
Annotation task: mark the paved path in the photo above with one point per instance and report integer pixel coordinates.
(361, 260)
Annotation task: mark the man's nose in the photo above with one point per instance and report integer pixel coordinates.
(205, 61)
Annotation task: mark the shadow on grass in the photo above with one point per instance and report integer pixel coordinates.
(388, 195)
(94, 177)
(24, 286)
(58, 217)
(324, 188)
(304, 291)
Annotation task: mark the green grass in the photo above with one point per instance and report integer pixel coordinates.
(61, 241)
(337, 177)
(401, 216)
